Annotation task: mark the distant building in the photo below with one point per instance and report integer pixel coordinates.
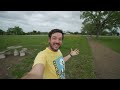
(67, 33)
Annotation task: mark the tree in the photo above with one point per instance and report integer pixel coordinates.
(89, 29)
(1, 32)
(38, 32)
(118, 34)
(76, 32)
(98, 21)
(15, 31)
(34, 32)
(113, 32)
(10, 31)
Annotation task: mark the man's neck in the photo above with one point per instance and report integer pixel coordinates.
(51, 49)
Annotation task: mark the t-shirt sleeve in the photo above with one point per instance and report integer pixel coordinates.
(60, 53)
(40, 58)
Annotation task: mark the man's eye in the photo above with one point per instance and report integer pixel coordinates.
(54, 38)
(60, 39)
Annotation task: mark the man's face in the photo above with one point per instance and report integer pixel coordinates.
(55, 41)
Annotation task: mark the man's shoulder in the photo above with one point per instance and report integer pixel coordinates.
(43, 51)
(59, 50)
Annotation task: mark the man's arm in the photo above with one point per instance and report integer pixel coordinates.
(36, 72)
(72, 53)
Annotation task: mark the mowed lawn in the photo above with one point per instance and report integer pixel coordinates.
(112, 42)
(78, 67)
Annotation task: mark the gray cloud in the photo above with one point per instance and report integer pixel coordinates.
(41, 20)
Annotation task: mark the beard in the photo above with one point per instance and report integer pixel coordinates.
(52, 47)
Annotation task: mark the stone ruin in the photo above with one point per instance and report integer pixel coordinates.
(15, 50)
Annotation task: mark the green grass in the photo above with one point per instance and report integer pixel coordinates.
(112, 42)
(25, 41)
(78, 67)
(81, 66)
(17, 71)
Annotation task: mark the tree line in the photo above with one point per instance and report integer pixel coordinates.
(19, 31)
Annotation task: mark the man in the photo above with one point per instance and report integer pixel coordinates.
(49, 63)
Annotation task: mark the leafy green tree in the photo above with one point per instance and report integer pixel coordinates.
(2, 32)
(10, 31)
(98, 21)
(38, 32)
(15, 31)
(113, 32)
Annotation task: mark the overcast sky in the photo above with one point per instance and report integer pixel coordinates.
(42, 21)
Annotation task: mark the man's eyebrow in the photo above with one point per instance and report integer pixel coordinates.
(56, 36)
(53, 36)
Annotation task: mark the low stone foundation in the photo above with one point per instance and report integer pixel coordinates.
(15, 50)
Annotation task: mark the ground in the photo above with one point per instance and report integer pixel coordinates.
(106, 61)
(6, 64)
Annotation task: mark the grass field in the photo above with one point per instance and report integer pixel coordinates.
(78, 67)
(112, 42)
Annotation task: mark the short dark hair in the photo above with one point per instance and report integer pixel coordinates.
(55, 31)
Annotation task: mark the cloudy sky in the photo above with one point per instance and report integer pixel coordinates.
(42, 21)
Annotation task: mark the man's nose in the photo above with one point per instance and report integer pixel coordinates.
(57, 40)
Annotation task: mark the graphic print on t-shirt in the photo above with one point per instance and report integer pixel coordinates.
(60, 67)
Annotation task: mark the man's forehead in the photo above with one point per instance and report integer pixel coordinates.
(57, 35)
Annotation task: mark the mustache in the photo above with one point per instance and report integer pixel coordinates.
(56, 43)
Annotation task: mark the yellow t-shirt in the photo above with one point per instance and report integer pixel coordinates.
(53, 62)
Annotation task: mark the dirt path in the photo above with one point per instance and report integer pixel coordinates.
(107, 62)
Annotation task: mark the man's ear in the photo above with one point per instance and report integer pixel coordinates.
(48, 39)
